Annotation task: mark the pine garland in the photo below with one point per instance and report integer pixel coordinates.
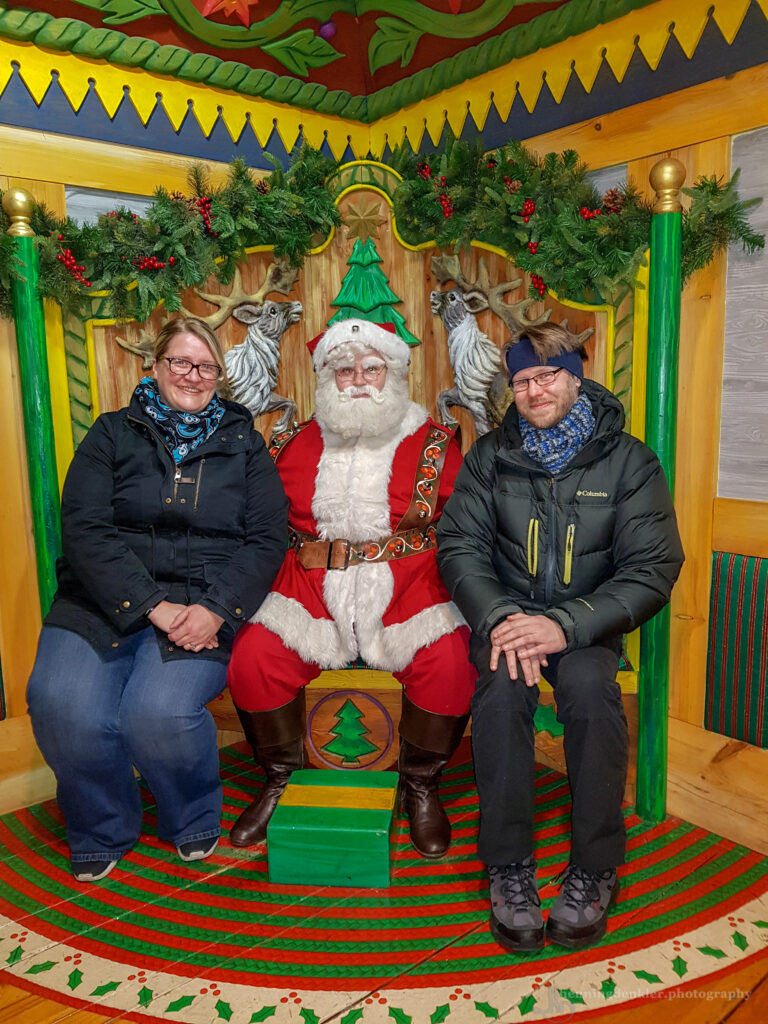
(542, 212)
(184, 238)
(549, 219)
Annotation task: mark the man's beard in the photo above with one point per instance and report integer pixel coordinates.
(378, 415)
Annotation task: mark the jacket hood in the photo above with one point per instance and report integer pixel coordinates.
(609, 422)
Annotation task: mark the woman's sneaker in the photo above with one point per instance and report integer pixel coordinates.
(92, 870)
(198, 849)
(516, 921)
(579, 915)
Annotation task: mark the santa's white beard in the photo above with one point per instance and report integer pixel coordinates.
(379, 414)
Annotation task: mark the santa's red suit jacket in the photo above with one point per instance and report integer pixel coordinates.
(383, 611)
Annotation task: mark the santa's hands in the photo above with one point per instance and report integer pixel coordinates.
(195, 628)
(527, 640)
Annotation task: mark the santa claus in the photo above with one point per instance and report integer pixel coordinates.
(366, 479)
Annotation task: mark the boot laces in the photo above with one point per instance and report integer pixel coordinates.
(580, 888)
(518, 884)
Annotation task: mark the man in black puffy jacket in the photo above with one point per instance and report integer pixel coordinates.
(559, 538)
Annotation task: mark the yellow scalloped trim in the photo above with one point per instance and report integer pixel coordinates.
(581, 55)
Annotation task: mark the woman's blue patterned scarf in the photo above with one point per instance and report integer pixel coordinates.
(554, 447)
(181, 431)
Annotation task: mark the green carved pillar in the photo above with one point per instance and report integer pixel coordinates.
(35, 397)
(667, 177)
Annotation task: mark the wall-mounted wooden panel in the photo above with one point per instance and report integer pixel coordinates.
(744, 421)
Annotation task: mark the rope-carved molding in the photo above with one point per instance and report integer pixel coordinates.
(541, 49)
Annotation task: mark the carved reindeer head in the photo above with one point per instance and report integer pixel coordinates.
(271, 318)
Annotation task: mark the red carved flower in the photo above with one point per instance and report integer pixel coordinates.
(229, 7)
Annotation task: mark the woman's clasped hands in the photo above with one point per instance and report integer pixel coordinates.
(192, 626)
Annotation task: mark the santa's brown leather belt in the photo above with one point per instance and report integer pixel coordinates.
(340, 554)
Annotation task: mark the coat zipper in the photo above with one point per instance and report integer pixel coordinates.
(570, 534)
(549, 576)
(197, 485)
(533, 547)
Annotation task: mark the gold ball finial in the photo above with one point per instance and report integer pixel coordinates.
(666, 178)
(17, 203)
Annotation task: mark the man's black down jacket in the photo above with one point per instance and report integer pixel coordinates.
(137, 529)
(595, 547)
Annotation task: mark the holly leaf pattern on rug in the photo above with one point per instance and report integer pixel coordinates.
(679, 966)
(740, 940)
(102, 990)
(487, 1010)
(608, 987)
(264, 1013)
(179, 1004)
(526, 1004)
(223, 1010)
(718, 954)
(39, 968)
(399, 1016)
(146, 996)
(570, 996)
(14, 956)
(310, 1017)
(352, 1017)
(645, 976)
(440, 1013)
(75, 978)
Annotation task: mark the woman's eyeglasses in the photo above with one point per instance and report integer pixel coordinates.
(181, 367)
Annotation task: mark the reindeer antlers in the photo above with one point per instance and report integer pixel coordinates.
(480, 294)
(280, 277)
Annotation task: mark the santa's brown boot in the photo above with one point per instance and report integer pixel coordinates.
(426, 743)
(277, 740)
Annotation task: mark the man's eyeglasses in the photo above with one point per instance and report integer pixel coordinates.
(181, 367)
(542, 379)
(347, 373)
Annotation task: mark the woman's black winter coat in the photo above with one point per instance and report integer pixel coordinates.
(595, 547)
(136, 529)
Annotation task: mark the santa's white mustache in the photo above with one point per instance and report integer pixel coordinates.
(358, 392)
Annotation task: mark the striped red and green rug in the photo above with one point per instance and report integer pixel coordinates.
(159, 940)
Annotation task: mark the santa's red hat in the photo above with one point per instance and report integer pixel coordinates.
(361, 336)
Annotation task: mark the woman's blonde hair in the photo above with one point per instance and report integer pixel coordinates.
(201, 330)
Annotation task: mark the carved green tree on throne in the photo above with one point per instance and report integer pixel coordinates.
(365, 293)
(350, 742)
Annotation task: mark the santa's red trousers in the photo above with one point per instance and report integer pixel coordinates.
(264, 674)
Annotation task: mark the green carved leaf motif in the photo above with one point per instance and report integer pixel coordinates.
(301, 51)
(394, 40)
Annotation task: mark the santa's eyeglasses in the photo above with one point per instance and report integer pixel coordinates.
(369, 373)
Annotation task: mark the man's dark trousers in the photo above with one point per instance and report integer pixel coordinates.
(596, 745)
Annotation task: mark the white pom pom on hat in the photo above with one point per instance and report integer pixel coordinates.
(365, 334)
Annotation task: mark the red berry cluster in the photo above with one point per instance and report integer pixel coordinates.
(424, 171)
(491, 164)
(533, 248)
(588, 214)
(538, 283)
(445, 201)
(73, 268)
(204, 206)
(152, 263)
(528, 210)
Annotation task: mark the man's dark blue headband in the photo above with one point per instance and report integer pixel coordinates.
(522, 356)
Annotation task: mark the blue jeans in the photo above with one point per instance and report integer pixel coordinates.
(95, 718)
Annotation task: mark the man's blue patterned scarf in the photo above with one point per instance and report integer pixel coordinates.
(554, 447)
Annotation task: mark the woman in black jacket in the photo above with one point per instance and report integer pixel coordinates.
(174, 526)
